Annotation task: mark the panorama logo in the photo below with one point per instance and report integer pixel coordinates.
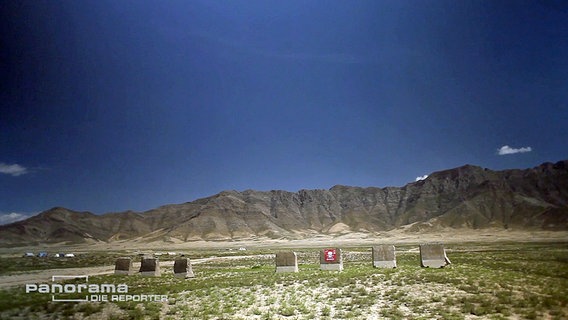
(85, 292)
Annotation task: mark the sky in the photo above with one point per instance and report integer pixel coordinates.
(107, 106)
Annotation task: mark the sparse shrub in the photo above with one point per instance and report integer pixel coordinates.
(492, 284)
(326, 311)
(287, 311)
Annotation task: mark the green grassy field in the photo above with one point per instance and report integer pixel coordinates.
(13, 265)
(492, 281)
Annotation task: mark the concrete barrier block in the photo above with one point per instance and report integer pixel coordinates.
(433, 255)
(182, 268)
(331, 259)
(286, 262)
(123, 266)
(150, 267)
(384, 256)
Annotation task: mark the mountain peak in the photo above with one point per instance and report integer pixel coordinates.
(465, 197)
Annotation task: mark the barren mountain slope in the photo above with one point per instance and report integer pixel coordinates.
(465, 197)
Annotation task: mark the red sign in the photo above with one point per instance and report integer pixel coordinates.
(329, 255)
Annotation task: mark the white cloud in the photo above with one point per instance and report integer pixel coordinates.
(508, 150)
(12, 169)
(12, 217)
(422, 178)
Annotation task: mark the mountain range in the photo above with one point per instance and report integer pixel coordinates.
(467, 197)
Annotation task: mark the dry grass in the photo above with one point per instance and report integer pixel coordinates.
(487, 281)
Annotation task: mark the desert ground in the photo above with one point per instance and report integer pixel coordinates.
(495, 274)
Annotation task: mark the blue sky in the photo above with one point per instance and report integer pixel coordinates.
(107, 106)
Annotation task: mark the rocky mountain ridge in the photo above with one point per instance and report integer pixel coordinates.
(465, 197)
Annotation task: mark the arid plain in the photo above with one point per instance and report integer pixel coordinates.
(495, 274)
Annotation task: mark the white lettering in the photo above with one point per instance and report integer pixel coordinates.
(108, 288)
(44, 288)
(30, 288)
(70, 288)
(94, 289)
(96, 297)
(138, 297)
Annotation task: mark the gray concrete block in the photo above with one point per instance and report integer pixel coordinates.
(384, 256)
(123, 266)
(150, 267)
(182, 268)
(286, 262)
(331, 259)
(433, 255)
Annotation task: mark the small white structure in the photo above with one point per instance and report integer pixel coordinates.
(69, 255)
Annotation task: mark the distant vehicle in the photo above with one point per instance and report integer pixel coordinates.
(69, 255)
(42, 254)
(29, 254)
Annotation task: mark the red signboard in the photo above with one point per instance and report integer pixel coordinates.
(329, 255)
